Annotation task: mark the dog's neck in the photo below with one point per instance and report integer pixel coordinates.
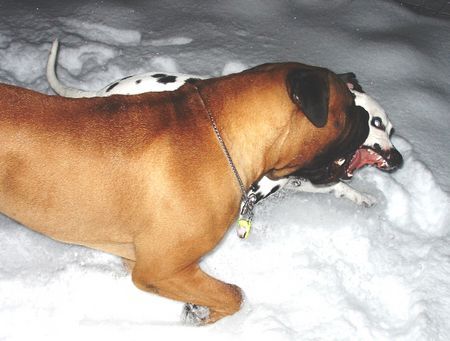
(250, 120)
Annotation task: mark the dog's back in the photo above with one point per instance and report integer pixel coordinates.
(109, 147)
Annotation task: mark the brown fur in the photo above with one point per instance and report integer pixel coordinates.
(143, 177)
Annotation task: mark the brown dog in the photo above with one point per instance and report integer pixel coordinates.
(144, 177)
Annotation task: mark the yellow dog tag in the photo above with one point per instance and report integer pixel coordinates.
(244, 228)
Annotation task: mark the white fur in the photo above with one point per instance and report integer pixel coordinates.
(379, 136)
(265, 186)
(340, 190)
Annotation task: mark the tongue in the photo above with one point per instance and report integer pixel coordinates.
(361, 158)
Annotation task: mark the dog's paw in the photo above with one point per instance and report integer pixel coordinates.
(361, 199)
(195, 314)
(358, 198)
(367, 200)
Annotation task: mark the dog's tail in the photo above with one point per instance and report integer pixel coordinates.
(54, 82)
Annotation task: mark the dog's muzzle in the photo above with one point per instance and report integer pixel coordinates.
(393, 158)
(390, 160)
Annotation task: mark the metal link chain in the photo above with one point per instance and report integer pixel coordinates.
(244, 223)
(245, 198)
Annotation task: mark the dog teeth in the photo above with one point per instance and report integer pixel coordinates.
(340, 162)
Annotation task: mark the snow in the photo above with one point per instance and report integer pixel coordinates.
(104, 33)
(314, 267)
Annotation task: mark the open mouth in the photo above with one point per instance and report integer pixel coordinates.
(365, 156)
(344, 167)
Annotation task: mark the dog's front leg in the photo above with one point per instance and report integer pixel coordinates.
(340, 190)
(169, 277)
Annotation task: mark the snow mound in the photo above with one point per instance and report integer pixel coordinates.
(164, 63)
(28, 57)
(171, 41)
(233, 67)
(414, 201)
(101, 32)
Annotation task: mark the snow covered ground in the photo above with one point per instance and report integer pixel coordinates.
(315, 267)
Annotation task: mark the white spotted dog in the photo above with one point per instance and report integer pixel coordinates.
(386, 157)
(132, 85)
(378, 139)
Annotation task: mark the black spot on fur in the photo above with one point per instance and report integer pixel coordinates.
(167, 79)
(273, 190)
(112, 86)
(159, 75)
(259, 197)
(254, 187)
(139, 81)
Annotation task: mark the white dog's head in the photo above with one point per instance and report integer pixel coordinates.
(377, 149)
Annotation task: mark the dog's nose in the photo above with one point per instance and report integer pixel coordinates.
(394, 159)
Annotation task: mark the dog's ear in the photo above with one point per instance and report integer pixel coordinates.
(349, 78)
(309, 89)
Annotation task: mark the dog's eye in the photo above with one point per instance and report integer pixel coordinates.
(377, 123)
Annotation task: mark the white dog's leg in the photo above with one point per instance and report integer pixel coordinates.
(340, 190)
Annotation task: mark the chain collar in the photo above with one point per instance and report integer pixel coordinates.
(247, 202)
